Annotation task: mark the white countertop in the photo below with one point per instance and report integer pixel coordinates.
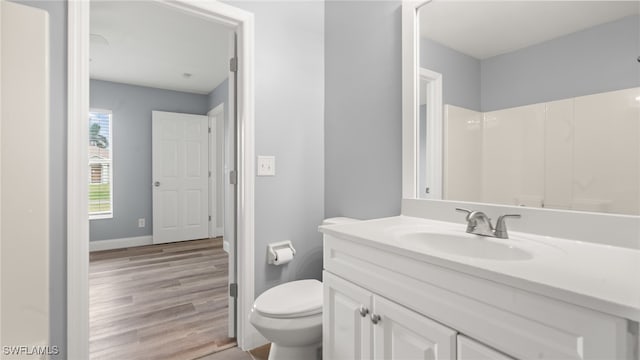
(601, 277)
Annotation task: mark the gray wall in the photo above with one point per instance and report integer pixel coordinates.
(132, 192)
(460, 73)
(219, 95)
(363, 114)
(598, 59)
(289, 70)
(58, 171)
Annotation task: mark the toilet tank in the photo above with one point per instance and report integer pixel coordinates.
(338, 220)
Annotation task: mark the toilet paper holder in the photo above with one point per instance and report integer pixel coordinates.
(273, 247)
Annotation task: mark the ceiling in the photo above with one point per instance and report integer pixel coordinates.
(483, 29)
(149, 44)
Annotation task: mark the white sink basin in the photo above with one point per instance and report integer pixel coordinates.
(568, 270)
(467, 245)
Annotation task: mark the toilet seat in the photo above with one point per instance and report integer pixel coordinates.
(291, 300)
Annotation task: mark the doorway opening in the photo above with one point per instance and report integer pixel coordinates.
(160, 151)
(81, 39)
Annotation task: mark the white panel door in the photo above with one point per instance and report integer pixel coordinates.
(180, 177)
(346, 327)
(472, 350)
(403, 334)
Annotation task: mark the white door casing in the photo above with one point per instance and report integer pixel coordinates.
(230, 188)
(221, 160)
(213, 173)
(180, 157)
(217, 151)
(434, 134)
(216, 154)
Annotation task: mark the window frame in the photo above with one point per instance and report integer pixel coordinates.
(102, 214)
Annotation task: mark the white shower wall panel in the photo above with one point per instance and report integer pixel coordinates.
(513, 155)
(607, 152)
(462, 154)
(576, 154)
(558, 157)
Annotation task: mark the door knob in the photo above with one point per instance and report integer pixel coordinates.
(156, 184)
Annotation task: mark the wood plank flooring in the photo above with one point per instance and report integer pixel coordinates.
(165, 301)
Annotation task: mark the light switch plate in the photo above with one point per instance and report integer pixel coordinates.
(266, 165)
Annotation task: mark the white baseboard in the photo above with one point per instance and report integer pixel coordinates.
(98, 245)
(219, 231)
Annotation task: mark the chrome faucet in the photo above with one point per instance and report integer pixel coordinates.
(479, 223)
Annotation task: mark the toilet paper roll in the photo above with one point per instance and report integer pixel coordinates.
(283, 256)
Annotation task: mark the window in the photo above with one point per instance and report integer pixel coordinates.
(100, 165)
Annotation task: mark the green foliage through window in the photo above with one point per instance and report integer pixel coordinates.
(100, 164)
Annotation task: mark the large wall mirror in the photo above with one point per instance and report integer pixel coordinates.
(530, 103)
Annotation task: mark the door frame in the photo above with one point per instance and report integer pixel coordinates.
(77, 151)
(215, 113)
(434, 139)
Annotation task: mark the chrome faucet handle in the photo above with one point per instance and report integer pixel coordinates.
(465, 211)
(501, 226)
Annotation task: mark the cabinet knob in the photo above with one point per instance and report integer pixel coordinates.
(363, 311)
(375, 318)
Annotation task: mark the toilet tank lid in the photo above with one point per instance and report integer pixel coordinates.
(338, 220)
(295, 298)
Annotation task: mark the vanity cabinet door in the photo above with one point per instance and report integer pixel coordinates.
(403, 334)
(346, 324)
(472, 350)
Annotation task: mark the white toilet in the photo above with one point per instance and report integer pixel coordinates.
(290, 316)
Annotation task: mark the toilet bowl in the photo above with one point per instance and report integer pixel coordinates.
(290, 316)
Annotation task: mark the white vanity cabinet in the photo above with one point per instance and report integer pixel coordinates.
(469, 349)
(360, 325)
(429, 310)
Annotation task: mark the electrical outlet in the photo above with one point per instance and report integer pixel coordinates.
(141, 222)
(266, 165)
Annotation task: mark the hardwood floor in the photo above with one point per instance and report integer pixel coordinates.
(165, 301)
